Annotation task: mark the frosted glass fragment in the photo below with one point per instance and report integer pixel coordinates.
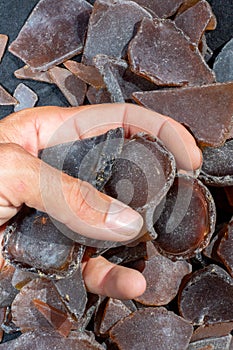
(207, 297)
(161, 8)
(25, 96)
(163, 54)
(88, 74)
(223, 64)
(52, 34)
(73, 88)
(195, 20)
(212, 344)
(163, 279)
(6, 98)
(3, 42)
(26, 73)
(111, 27)
(146, 327)
(197, 108)
(7, 291)
(225, 247)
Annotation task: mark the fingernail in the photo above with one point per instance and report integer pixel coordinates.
(123, 220)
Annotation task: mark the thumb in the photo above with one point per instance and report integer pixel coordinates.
(75, 203)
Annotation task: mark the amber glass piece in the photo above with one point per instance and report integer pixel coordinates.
(7, 291)
(225, 247)
(21, 278)
(141, 176)
(26, 73)
(111, 27)
(24, 313)
(179, 231)
(161, 8)
(197, 108)
(25, 96)
(126, 254)
(163, 279)
(217, 167)
(214, 330)
(58, 319)
(147, 327)
(97, 96)
(6, 98)
(88, 74)
(3, 42)
(73, 88)
(195, 20)
(160, 52)
(207, 297)
(52, 34)
(211, 344)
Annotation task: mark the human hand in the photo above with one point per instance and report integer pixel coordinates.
(26, 179)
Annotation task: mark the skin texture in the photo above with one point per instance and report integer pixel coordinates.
(26, 179)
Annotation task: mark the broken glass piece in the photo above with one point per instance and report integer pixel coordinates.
(223, 64)
(34, 243)
(88, 74)
(225, 248)
(73, 88)
(217, 167)
(195, 20)
(207, 297)
(26, 73)
(24, 313)
(214, 330)
(161, 8)
(111, 27)
(163, 279)
(25, 96)
(6, 98)
(141, 176)
(197, 108)
(20, 278)
(52, 34)
(58, 319)
(7, 291)
(73, 293)
(3, 42)
(211, 344)
(97, 96)
(140, 329)
(163, 54)
(124, 254)
(179, 232)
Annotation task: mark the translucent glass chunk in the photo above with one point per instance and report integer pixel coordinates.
(223, 64)
(6, 98)
(26, 73)
(3, 42)
(25, 96)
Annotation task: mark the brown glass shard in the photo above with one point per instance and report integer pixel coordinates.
(97, 96)
(7, 291)
(20, 278)
(207, 297)
(197, 108)
(116, 18)
(179, 231)
(73, 88)
(195, 20)
(52, 34)
(142, 328)
(161, 8)
(58, 319)
(217, 167)
(225, 247)
(163, 279)
(211, 344)
(162, 53)
(138, 184)
(26, 73)
(88, 74)
(214, 330)
(3, 42)
(6, 98)
(25, 96)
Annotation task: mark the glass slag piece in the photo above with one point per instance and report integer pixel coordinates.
(207, 297)
(223, 64)
(161, 8)
(141, 176)
(224, 250)
(3, 43)
(7, 291)
(141, 328)
(163, 279)
(26, 73)
(212, 344)
(163, 54)
(52, 34)
(25, 96)
(88, 74)
(195, 20)
(32, 242)
(217, 167)
(6, 98)
(116, 18)
(180, 233)
(73, 88)
(197, 108)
